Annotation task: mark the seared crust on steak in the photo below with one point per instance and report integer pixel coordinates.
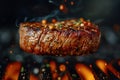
(70, 37)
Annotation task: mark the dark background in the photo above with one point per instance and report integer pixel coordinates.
(105, 13)
(11, 10)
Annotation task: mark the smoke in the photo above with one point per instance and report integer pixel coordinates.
(100, 8)
(97, 11)
(71, 9)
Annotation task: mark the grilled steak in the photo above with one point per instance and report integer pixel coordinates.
(69, 37)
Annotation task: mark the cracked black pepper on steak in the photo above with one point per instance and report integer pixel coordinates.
(69, 37)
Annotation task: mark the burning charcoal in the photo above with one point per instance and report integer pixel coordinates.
(108, 69)
(100, 75)
(49, 69)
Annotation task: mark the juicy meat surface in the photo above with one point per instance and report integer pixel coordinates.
(70, 37)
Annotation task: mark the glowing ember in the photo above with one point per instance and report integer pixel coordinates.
(44, 21)
(102, 65)
(84, 72)
(63, 8)
(12, 71)
(67, 62)
(54, 20)
(90, 65)
(72, 3)
(62, 67)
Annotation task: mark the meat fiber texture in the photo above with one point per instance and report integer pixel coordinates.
(69, 37)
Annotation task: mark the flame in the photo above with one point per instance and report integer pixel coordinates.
(53, 69)
(84, 72)
(53, 66)
(113, 70)
(33, 77)
(12, 71)
(105, 67)
(102, 65)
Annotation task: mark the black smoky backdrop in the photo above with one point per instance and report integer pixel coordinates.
(105, 13)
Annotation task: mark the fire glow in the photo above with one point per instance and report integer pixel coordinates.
(53, 68)
(105, 67)
(32, 77)
(84, 72)
(12, 71)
